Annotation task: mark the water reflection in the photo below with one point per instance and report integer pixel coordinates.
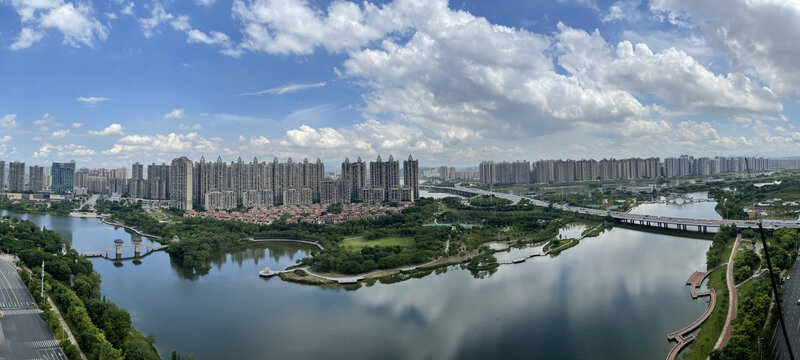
(615, 296)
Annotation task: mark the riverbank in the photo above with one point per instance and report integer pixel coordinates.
(104, 220)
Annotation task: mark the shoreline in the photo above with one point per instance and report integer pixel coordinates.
(131, 228)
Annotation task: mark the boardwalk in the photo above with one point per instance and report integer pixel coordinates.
(680, 336)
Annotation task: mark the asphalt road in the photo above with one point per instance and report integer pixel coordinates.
(791, 312)
(23, 333)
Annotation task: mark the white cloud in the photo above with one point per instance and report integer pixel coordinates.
(77, 125)
(157, 17)
(181, 23)
(175, 114)
(622, 10)
(280, 90)
(128, 8)
(6, 139)
(205, 2)
(59, 134)
(92, 101)
(758, 36)
(213, 38)
(671, 75)
(292, 27)
(75, 21)
(113, 129)
(323, 138)
(171, 144)
(64, 151)
(8, 121)
(27, 37)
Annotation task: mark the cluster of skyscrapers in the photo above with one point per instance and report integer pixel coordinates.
(59, 179)
(689, 165)
(559, 171)
(220, 185)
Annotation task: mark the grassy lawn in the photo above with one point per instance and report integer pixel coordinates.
(357, 243)
(711, 329)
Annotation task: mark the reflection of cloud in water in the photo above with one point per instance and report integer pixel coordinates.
(621, 268)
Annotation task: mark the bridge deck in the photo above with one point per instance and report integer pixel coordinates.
(696, 224)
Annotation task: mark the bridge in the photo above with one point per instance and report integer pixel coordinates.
(119, 245)
(686, 224)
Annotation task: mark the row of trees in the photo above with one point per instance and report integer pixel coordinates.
(103, 330)
(51, 207)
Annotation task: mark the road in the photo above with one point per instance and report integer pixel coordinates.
(791, 312)
(634, 218)
(23, 333)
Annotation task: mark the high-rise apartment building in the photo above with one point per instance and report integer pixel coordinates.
(2, 175)
(36, 178)
(63, 177)
(411, 176)
(181, 183)
(16, 176)
(137, 186)
(158, 182)
(384, 174)
(356, 175)
(488, 172)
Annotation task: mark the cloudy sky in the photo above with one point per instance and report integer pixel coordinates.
(111, 82)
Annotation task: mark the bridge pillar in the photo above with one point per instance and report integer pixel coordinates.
(648, 223)
(136, 249)
(119, 250)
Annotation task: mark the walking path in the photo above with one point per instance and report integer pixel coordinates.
(732, 295)
(313, 243)
(140, 233)
(679, 336)
(65, 327)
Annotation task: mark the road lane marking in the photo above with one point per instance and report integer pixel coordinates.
(10, 288)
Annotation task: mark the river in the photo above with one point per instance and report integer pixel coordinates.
(616, 296)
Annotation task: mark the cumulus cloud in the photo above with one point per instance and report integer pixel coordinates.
(64, 151)
(172, 144)
(77, 125)
(8, 121)
(113, 129)
(280, 90)
(6, 139)
(175, 114)
(758, 36)
(671, 75)
(75, 21)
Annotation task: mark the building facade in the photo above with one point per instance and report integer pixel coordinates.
(63, 175)
(181, 183)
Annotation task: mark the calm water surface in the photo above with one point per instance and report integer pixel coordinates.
(615, 296)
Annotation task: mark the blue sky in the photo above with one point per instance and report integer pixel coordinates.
(113, 82)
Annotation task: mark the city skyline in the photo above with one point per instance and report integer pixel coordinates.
(559, 80)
